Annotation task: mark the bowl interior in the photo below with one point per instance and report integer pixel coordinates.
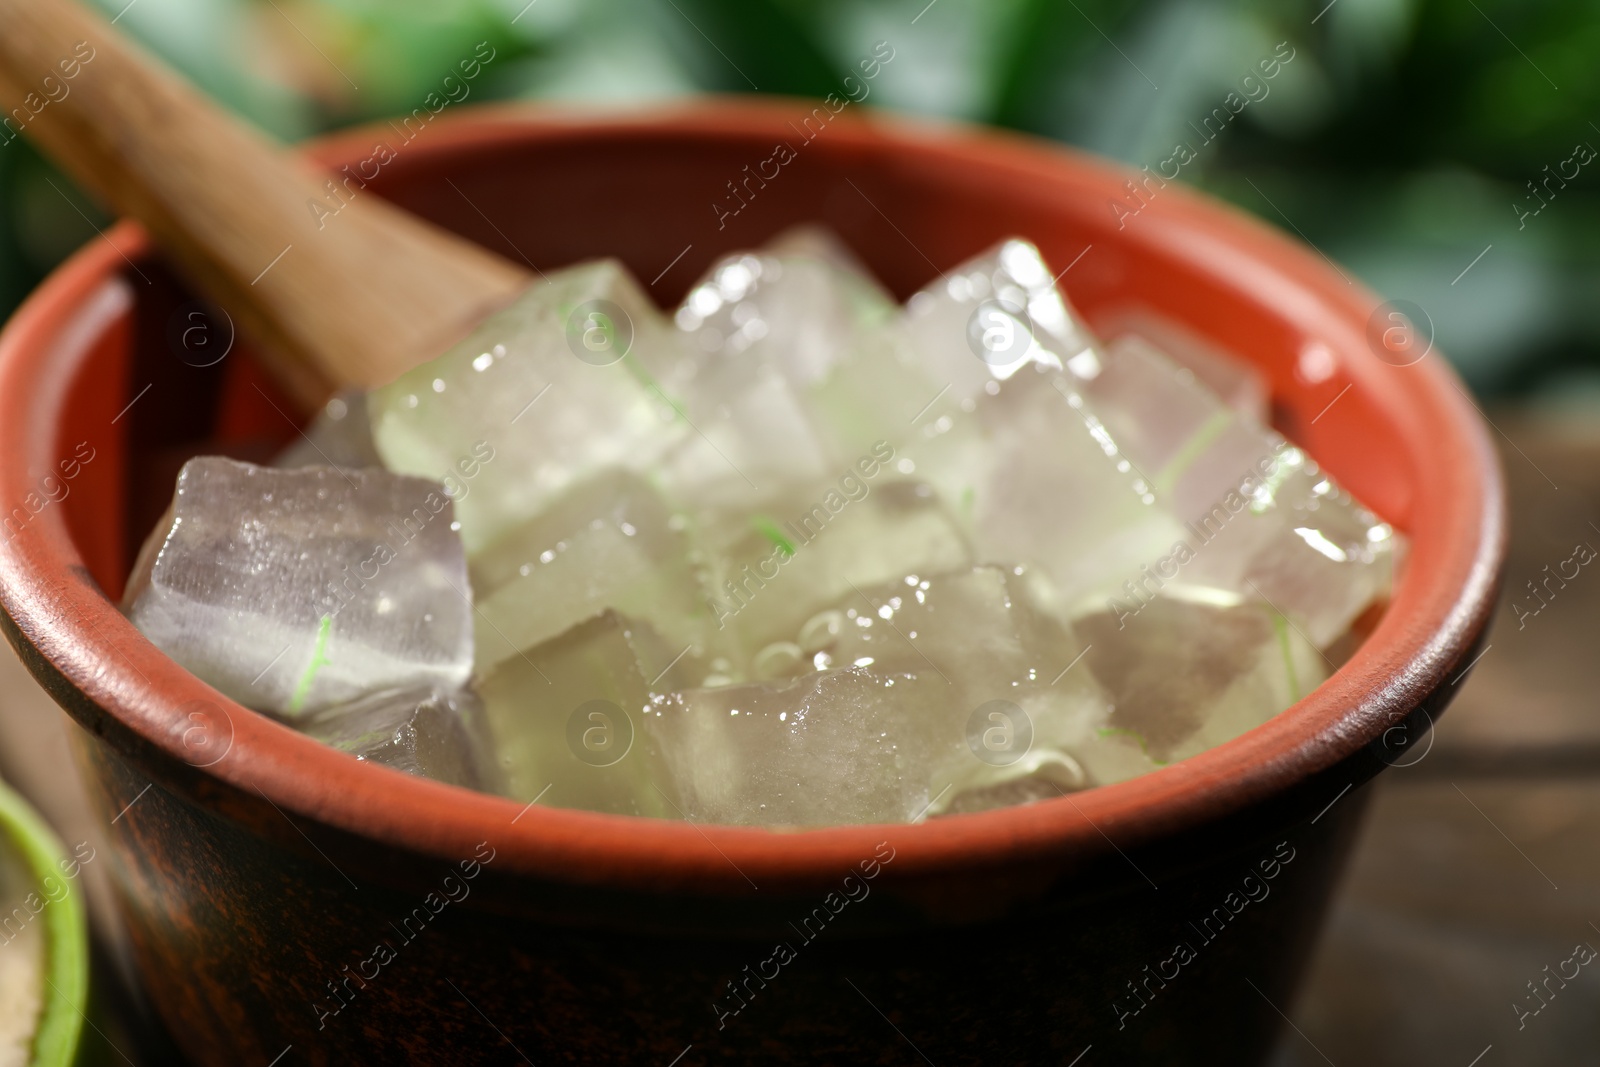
(668, 193)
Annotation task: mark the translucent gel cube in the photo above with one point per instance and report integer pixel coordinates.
(815, 547)
(294, 590)
(938, 687)
(757, 441)
(984, 633)
(566, 717)
(1097, 754)
(976, 628)
(580, 374)
(340, 436)
(1192, 668)
(878, 393)
(1261, 518)
(766, 329)
(1240, 385)
(993, 315)
(810, 241)
(1184, 437)
(609, 542)
(1300, 543)
(979, 325)
(1037, 479)
(795, 314)
(830, 747)
(426, 732)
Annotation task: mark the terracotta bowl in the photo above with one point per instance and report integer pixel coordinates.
(286, 900)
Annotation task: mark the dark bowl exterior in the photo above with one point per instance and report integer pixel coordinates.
(285, 900)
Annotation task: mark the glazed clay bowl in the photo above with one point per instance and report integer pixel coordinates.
(284, 899)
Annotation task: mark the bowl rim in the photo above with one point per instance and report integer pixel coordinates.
(75, 639)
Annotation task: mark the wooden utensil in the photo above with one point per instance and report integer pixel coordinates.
(354, 301)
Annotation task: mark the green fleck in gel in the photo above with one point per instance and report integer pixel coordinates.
(646, 379)
(769, 529)
(1208, 432)
(1144, 746)
(319, 658)
(1267, 496)
(1281, 626)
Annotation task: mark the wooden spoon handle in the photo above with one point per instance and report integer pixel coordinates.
(348, 299)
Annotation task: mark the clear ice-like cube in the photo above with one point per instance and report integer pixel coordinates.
(982, 631)
(795, 314)
(932, 688)
(1193, 447)
(978, 326)
(1036, 478)
(975, 628)
(1101, 757)
(812, 548)
(768, 328)
(340, 436)
(1262, 519)
(879, 394)
(992, 316)
(610, 542)
(295, 590)
(756, 441)
(1192, 668)
(1238, 384)
(1298, 541)
(807, 240)
(426, 732)
(567, 716)
(579, 374)
(830, 747)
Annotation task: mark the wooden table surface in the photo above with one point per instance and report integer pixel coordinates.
(1478, 868)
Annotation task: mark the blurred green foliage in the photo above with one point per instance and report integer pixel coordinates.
(1404, 138)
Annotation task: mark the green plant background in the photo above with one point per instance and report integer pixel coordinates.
(1400, 140)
